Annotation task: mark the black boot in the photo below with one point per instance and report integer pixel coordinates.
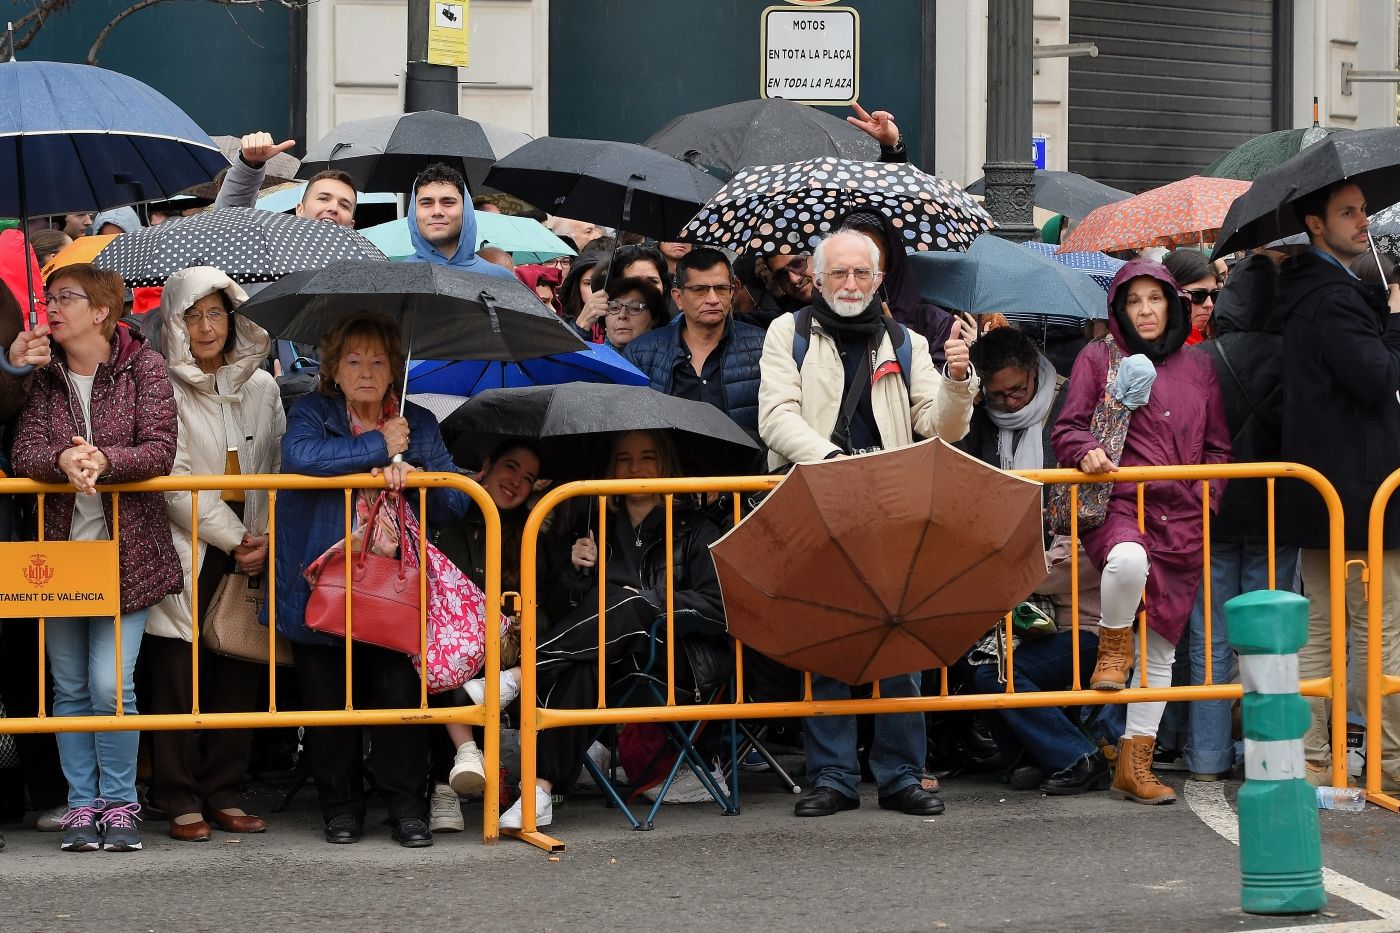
(1086, 774)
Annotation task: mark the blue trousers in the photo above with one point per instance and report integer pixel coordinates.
(896, 755)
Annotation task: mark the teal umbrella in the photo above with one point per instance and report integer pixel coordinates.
(527, 240)
(1253, 158)
(996, 275)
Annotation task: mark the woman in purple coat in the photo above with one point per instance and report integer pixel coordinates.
(1182, 421)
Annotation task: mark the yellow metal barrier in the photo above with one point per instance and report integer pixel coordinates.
(1379, 684)
(535, 718)
(486, 716)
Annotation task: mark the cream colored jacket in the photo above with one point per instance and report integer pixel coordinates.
(239, 407)
(797, 411)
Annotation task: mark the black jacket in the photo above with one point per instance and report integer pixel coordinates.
(982, 434)
(1248, 357)
(1341, 413)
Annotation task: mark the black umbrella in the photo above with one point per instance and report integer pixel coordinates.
(760, 132)
(387, 153)
(445, 313)
(247, 244)
(1067, 193)
(574, 423)
(621, 185)
(1370, 158)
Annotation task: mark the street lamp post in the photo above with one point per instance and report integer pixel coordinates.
(1010, 177)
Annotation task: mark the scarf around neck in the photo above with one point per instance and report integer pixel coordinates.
(867, 322)
(1027, 452)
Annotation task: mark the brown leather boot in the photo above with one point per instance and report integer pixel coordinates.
(1115, 658)
(1133, 778)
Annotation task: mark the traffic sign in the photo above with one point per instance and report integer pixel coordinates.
(811, 56)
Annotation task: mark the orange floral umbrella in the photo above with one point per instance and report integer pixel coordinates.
(1186, 212)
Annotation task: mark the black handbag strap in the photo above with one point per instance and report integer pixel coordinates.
(1225, 358)
(841, 434)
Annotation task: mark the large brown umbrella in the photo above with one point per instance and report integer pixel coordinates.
(883, 564)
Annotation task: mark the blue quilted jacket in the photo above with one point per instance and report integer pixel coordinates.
(318, 442)
(655, 353)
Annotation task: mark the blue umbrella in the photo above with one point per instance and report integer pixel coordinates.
(1099, 267)
(80, 138)
(597, 363)
(996, 275)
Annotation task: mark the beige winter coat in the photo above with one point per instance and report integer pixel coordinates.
(797, 411)
(238, 407)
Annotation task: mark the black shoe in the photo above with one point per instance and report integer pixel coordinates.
(824, 801)
(1086, 774)
(913, 800)
(411, 833)
(344, 829)
(1026, 777)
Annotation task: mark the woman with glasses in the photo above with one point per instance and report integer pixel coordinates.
(627, 262)
(634, 307)
(231, 422)
(102, 413)
(1200, 283)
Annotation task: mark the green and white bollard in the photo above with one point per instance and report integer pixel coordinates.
(1280, 843)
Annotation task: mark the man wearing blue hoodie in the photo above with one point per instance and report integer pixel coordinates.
(441, 227)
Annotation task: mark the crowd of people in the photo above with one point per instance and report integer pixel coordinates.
(819, 356)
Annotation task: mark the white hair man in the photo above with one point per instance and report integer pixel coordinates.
(831, 404)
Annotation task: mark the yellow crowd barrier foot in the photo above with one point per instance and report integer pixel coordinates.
(537, 839)
(1384, 800)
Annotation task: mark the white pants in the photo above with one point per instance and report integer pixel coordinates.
(1124, 576)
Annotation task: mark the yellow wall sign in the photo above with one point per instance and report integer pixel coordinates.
(58, 578)
(447, 33)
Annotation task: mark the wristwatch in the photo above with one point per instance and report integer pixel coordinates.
(896, 150)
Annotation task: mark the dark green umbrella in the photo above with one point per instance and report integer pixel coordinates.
(1251, 159)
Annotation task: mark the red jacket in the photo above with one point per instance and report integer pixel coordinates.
(134, 424)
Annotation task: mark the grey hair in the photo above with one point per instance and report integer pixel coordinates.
(819, 256)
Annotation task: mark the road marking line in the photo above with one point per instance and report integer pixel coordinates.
(1207, 801)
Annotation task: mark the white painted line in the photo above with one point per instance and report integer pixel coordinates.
(1207, 801)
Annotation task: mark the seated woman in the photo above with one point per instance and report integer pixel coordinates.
(231, 422)
(635, 591)
(634, 307)
(508, 475)
(350, 424)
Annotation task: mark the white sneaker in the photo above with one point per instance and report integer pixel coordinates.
(468, 775)
(510, 689)
(445, 811)
(51, 821)
(686, 788)
(598, 753)
(544, 811)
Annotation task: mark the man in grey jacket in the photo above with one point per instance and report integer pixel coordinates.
(328, 196)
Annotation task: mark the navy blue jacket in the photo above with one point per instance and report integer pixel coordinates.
(656, 352)
(318, 442)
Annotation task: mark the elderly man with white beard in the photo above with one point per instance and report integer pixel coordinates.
(833, 384)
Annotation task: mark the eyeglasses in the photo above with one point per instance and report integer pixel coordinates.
(700, 291)
(863, 276)
(1198, 296)
(797, 268)
(65, 298)
(1015, 393)
(559, 262)
(213, 317)
(626, 308)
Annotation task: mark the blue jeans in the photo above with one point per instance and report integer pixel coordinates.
(1046, 733)
(1234, 569)
(82, 660)
(896, 755)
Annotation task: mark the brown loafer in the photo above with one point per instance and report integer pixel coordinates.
(198, 831)
(236, 824)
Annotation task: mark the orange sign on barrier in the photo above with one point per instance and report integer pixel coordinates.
(58, 578)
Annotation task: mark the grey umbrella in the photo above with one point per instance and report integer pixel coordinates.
(1065, 193)
(573, 424)
(996, 275)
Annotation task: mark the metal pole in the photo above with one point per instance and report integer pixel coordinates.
(1010, 176)
(426, 87)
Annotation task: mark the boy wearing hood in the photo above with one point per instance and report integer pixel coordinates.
(440, 227)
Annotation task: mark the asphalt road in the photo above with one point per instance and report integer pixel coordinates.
(997, 860)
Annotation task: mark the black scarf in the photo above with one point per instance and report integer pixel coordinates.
(1173, 337)
(868, 322)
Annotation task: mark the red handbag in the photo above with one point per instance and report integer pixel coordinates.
(384, 591)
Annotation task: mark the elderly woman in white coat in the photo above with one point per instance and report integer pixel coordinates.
(231, 422)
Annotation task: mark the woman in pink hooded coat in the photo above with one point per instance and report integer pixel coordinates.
(1181, 422)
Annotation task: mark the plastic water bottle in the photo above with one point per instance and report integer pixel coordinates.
(1351, 799)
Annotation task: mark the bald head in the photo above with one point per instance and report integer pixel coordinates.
(498, 256)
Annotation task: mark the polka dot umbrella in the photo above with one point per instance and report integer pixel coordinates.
(249, 245)
(789, 208)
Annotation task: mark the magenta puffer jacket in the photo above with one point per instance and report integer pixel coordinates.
(134, 423)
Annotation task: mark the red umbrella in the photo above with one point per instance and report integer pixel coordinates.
(883, 564)
(1186, 212)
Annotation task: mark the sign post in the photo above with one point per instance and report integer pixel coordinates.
(447, 33)
(811, 56)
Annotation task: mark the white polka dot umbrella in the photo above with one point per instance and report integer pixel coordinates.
(789, 208)
(249, 245)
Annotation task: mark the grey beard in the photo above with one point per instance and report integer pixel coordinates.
(847, 307)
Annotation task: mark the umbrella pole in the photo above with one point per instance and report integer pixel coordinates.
(1375, 254)
(33, 314)
(403, 395)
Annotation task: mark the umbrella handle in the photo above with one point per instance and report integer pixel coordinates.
(12, 370)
